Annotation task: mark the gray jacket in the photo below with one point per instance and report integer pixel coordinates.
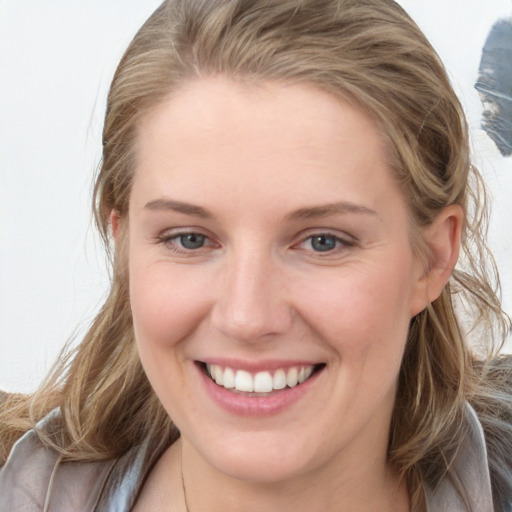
(35, 479)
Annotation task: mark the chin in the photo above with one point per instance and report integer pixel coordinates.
(262, 460)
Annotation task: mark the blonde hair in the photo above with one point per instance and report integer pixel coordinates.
(368, 52)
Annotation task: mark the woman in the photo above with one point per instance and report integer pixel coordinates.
(287, 187)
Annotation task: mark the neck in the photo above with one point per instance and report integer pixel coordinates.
(367, 488)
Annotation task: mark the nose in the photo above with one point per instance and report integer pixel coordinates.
(251, 302)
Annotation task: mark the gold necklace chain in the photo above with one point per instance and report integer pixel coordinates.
(183, 479)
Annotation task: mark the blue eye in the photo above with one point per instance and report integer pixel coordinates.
(191, 241)
(324, 243)
(185, 242)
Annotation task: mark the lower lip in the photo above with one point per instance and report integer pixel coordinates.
(245, 405)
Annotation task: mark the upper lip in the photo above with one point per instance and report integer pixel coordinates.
(258, 366)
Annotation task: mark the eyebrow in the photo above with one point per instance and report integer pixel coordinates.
(312, 212)
(178, 206)
(327, 210)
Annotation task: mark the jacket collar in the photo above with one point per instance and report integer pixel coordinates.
(467, 485)
(127, 476)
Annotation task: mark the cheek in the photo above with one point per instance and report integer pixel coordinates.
(166, 309)
(360, 312)
(166, 305)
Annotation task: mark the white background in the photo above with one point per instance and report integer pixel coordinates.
(57, 58)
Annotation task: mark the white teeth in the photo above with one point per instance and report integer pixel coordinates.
(229, 378)
(243, 381)
(261, 382)
(218, 375)
(292, 378)
(279, 380)
(305, 373)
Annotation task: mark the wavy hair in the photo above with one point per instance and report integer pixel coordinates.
(369, 53)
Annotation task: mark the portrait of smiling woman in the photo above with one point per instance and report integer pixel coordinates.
(295, 225)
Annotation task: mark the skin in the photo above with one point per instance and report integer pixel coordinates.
(258, 291)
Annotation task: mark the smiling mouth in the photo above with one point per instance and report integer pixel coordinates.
(263, 382)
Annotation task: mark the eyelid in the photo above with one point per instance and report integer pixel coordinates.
(167, 236)
(345, 240)
(335, 233)
(185, 230)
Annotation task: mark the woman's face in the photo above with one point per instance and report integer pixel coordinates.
(268, 244)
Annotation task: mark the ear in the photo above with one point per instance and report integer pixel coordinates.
(442, 239)
(115, 224)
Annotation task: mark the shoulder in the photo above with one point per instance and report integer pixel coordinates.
(34, 478)
(493, 405)
(467, 480)
(25, 477)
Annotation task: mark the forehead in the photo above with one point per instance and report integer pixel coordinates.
(269, 139)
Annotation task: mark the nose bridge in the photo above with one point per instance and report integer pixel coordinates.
(251, 302)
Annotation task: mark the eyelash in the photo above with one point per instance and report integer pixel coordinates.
(340, 243)
(171, 242)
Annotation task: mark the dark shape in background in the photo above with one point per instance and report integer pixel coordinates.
(495, 85)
